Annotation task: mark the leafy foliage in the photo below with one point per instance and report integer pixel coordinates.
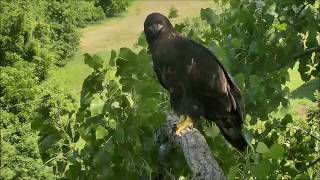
(34, 35)
(173, 12)
(117, 101)
(112, 7)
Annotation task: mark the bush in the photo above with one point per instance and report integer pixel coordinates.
(112, 7)
(173, 12)
(24, 35)
(87, 13)
(20, 157)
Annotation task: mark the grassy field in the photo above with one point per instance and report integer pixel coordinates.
(114, 33)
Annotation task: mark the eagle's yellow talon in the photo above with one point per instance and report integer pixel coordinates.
(184, 123)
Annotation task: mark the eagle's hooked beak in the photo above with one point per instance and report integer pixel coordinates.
(155, 28)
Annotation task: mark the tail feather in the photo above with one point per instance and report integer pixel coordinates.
(234, 136)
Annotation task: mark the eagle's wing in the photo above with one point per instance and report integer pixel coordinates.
(215, 80)
(219, 94)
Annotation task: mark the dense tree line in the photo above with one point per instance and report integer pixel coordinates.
(35, 35)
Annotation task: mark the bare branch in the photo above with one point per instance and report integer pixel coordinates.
(307, 52)
(300, 10)
(194, 148)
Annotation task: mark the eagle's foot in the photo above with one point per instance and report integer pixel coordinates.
(184, 123)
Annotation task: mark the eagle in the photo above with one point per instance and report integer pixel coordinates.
(198, 84)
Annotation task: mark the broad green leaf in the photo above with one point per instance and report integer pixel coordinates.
(254, 80)
(119, 135)
(233, 171)
(261, 171)
(212, 131)
(209, 15)
(142, 40)
(280, 27)
(109, 146)
(312, 39)
(111, 74)
(262, 148)
(276, 151)
(239, 78)
(101, 132)
(96, 106)
(127, 63)
(253, 47)
(80, 144)
(100, 158)
(95, 62)
(115, 104)
(111, 123)
(221, 54)
(236, 42)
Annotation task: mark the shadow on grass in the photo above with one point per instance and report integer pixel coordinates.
(306, 90)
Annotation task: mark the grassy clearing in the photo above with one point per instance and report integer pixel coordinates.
(124, 31)
(114, 33)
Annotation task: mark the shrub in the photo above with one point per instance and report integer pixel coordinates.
(112, 7)
(173, 12)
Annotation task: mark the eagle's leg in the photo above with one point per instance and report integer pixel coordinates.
(184, 123)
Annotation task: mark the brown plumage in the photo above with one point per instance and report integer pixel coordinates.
(197, 82)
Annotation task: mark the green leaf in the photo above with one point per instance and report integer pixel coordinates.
(236, 42)
(101, 132)
(95, 62)
(80, 144)
(119, 135)
(253, 47)
(111, 123)
(239, 78)
(261, 170)
(262, 148)
(221, 54)
(96, 106)
(276, 151)
(115, 104)
(281, 27)
(254, 80)
(209, 15)
(233, 171)
(127, 63)
(212, 131)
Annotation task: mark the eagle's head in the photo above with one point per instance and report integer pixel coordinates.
(155, 25)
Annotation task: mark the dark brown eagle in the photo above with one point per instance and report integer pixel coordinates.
(197, 82)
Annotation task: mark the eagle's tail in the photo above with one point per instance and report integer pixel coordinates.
(231, 130)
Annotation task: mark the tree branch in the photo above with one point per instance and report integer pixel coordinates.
(300, 10)
(307, 52)
(194, 148)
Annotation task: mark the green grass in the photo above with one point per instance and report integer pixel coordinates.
(72, 75)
